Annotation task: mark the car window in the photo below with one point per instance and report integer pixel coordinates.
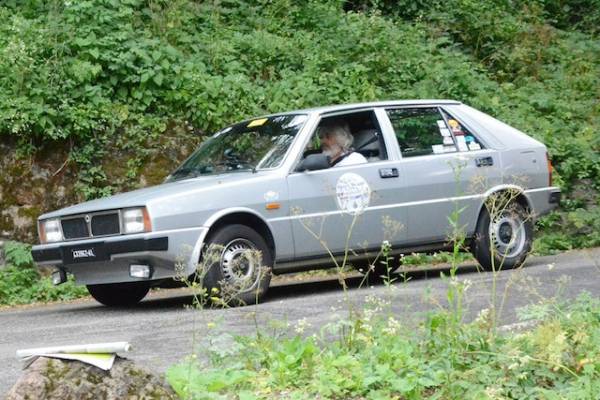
(246, 146)
(364, 129)
(421, 131)
(465, 139)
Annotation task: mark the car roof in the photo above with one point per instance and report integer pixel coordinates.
(351, 106)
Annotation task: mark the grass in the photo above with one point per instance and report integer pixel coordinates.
(375, 356)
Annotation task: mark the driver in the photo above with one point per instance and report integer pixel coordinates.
(336, 142)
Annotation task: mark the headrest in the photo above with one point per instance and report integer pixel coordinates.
(364, 136)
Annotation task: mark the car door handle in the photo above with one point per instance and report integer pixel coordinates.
(484, 161)
(385, 173)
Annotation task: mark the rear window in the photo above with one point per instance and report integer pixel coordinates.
(428, 130)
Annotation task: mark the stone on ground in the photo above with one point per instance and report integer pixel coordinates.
(51, 379)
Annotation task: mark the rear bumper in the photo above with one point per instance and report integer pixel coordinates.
(543, 200)
(107, 260)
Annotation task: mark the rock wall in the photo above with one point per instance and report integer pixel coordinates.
(49, 178)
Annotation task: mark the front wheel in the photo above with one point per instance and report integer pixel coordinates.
(119, 294)
(503, 240)
(237, 265)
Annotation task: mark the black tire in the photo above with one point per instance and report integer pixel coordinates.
(504, 241)
(119, 294)
(232, 273)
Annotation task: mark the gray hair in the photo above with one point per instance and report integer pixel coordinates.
(339, 132)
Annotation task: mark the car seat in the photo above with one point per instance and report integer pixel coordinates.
(366, 142)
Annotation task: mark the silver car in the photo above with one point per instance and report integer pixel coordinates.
(265, 186)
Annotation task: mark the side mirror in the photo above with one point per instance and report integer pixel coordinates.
(314, 162)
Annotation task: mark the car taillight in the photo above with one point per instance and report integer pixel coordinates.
(549, 169)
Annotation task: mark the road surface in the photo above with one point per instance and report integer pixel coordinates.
(161, 329)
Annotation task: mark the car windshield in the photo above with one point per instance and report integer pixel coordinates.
(247, 146)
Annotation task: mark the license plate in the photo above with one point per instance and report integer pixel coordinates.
(84, 253)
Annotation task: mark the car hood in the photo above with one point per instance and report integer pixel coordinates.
(142, 197)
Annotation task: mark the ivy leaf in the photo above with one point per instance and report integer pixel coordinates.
(95, 53)
(145, 76)
(158, 79)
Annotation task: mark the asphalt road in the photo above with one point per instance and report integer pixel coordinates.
(163, 329)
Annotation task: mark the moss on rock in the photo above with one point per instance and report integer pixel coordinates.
(50, 379)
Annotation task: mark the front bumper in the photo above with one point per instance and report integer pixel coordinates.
(107, 260)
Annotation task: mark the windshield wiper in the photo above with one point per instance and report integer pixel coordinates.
(236, 164)
(190, 172)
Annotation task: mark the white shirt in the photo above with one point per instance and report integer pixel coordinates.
(352, 159)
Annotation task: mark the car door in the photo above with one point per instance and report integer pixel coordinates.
(444, 167)
(323, 205)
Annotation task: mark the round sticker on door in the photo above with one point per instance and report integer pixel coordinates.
(353, 193)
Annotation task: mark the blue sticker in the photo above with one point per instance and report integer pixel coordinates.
(469, 139)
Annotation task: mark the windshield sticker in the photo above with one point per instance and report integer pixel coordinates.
(257, 122)
(445, 132)
(353, 193)
(441, 124)
(448, 140)
(437, 148)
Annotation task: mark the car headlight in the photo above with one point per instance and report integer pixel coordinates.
(50, 231)
(136, 220)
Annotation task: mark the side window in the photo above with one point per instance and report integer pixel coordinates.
(364, 138)
(465, 140)
(421, 131)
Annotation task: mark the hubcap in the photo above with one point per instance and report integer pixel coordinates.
(507, 233)
(240, 264)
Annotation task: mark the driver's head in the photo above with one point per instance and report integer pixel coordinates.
(335, 139)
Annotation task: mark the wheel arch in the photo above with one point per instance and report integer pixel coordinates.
(519, 196)
(243, 216)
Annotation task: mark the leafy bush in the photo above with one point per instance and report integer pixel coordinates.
(559, 358)
(21, 283)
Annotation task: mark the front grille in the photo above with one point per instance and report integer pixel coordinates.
(74, 228)
(91, 225)
(105, 224)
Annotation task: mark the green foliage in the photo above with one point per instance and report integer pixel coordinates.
(387, 359)
(21, 283)
(579, 228)
(18, 255)
(106, 76)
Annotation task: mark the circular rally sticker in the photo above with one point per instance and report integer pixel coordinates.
(353, 193)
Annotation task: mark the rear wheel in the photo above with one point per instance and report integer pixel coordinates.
(237, 264)
(119, 294)
(503, 240)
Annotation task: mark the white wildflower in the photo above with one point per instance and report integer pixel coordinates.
(301, 326)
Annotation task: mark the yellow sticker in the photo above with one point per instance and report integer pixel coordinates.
(257, 122)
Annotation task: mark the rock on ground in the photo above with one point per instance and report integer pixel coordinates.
(51, 379)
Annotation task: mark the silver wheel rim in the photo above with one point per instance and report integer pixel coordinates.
(240, 267)
(507, 234)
